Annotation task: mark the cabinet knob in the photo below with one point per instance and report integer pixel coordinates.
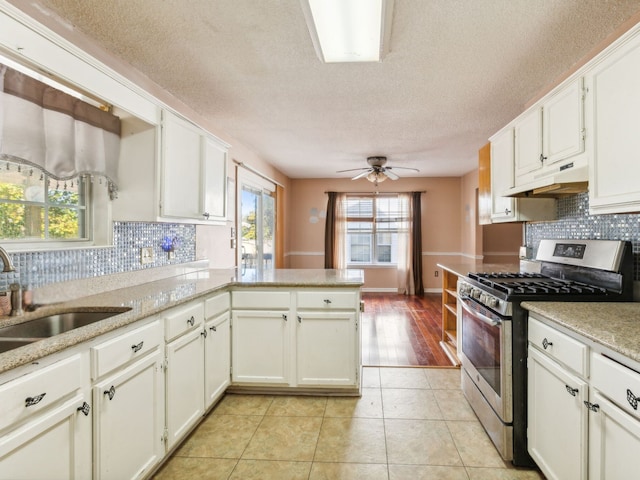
(507, 211)
(327, 301)
(572, 391)
(138, 347)
(110, 393)
(594, 407)
(213, 329)
(206, 215)
(546, 343)
(284, 317)
(204, 333)
(542, 158)
(191, 321)
(84, 408)
(299, 319)
(31, 401)
(632, 399)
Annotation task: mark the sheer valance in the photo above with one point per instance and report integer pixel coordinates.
(56, 132)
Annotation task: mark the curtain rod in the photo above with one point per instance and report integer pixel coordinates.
(376, 193)
(253, 170)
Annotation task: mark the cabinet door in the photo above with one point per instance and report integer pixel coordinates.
(214, 188)
(184, 384)
(563, 124)
(614, 169)
(55, 445)
(557, 419)
(528, 144)
(180, 168)
(614, 441)
(502, 208)
(129, 420)
(260, 347)
(217, 358)
(326, 348)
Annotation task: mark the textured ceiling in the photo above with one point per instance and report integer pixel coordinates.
(456, 71)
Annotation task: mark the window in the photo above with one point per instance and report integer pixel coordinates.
(372, 229)
(35, 207)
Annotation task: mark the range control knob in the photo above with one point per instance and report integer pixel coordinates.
(476, 293)
(492, 302)
(464, 289)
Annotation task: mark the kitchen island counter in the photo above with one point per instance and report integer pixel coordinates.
(146, 299)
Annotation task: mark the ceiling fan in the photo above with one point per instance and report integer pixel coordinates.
(376, 172)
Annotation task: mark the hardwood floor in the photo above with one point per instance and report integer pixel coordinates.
(401, 330)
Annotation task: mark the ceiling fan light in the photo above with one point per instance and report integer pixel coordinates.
(376, 177)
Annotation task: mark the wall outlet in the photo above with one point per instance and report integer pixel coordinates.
(146, 255)
(436, 273)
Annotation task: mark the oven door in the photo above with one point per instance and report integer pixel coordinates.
(486, 355)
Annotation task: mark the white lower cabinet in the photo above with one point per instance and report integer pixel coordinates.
(129, 420)
(557, 427)
(46, 424)
(217, 357)
(581, 425)
(260, 347)
(326, 348)
(128, 402)
(184, 333)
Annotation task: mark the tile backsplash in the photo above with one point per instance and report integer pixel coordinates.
(39, 268)
(574, 222)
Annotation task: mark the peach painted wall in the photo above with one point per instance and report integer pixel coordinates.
(471, 232)
(441, 224)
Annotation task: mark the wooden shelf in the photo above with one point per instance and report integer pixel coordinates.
(453, 336)
(452, 308)
(450, 315)
(452, 352)
(453, 293)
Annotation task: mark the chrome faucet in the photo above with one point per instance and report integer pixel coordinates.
(8, 264)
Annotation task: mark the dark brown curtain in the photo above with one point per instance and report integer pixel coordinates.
(416, 241)
(330, 230)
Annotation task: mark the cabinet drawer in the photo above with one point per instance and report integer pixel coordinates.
(263, 300)
(216, 304)
(124, 348)
(332, 299)
(559, 346)
(617, 382)
(183, 319)
(22, 397)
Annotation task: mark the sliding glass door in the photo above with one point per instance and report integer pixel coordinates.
(257, 227)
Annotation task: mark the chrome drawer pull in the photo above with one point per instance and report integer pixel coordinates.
(85, 408)
(632, 399)
(546, 343)
(137, 348)
(31, 401)
(594, 407)
(191, 321)
(111, 392)
(572, 391)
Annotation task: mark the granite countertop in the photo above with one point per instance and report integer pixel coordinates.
(149, 298)
(463, 268)
(615, 325)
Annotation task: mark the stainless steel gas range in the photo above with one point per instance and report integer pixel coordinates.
(493, 326)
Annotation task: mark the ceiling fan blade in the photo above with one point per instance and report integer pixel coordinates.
(390, 174)
(353, 169)
(363, 174)
(403, 168)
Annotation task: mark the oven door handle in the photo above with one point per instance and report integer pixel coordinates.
(465, 304)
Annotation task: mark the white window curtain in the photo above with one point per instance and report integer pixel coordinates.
(55, 132)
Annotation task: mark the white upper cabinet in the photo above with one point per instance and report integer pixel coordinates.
(550, 132)
(194, 177)
(615, 102)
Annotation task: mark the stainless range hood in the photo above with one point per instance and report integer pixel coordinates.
(565, 180)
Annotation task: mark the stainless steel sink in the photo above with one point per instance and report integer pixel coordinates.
(55, 324)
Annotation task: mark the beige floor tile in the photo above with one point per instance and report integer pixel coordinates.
(300, 406)
(284, 438)
(182, 468)
(443, 378)
(410, 403)
(220, 436)
(426, 472)
(370, 377)
(234, 404)
(355, 440)
(270, 470)
(369, 405)
(348, 471)
(403, 378)
(420, 442)
(476, 473)
(474, 445)
(454, 405)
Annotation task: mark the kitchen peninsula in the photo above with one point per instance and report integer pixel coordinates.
(154, 371)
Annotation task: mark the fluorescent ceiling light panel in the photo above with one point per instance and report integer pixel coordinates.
(348, 30)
